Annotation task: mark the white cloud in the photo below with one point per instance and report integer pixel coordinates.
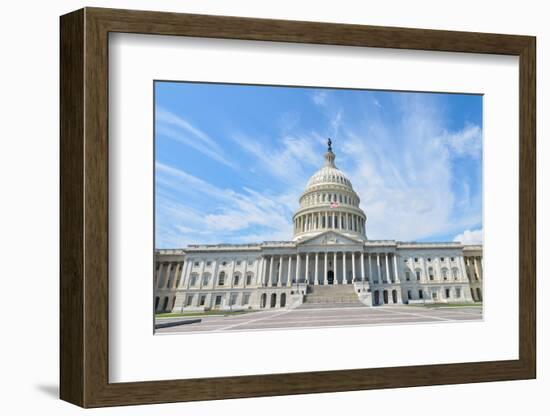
(319, 98)
(240, 216)
(470, 237)
(177, 128)
(466, 142)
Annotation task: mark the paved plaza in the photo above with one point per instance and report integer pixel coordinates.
(324, 317)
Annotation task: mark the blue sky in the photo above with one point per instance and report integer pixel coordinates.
(232, 160)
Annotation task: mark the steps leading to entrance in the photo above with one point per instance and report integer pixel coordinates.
(331, 296)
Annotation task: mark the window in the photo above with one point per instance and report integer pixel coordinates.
(458, 293)
(429, 259)
(189, 301)
(420, 295)
(196, 264)
(416, 259)
(452, 259)
(221, 279)
(444, 273)
(442, 259)
(233, 299)
(447, 293)
(193, 279)
(205, 280)
(431, 273)
(249, 279)
(407, 276)
(246, 299)
(409, 294)
(250, 262)
(224, 263)
(202, 300)
(418, 275)
(209, 263)
(218, 300)
(238, 263)
(236, 279)
(455, 273)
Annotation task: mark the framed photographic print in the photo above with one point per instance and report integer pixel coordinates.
(255, 207)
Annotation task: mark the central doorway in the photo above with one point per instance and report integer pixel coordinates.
(330, 277)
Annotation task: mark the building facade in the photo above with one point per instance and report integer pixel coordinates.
(329, 259)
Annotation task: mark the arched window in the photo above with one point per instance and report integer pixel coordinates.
(236, 279)
(445, 273)
(407, 276)
(249, 278)
(221, 279)
(193, 281)
(273, 302)
(394, 296)
(409, 294)
(418, 274)
(205, 279)
(455, 273)
(283, 300)
(431, 273)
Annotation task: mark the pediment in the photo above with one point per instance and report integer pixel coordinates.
(330, 238)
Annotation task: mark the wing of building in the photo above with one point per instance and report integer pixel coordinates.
(329, 261)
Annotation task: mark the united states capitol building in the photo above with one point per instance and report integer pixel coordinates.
(329, 261)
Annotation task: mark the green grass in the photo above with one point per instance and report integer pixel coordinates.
(205, 313)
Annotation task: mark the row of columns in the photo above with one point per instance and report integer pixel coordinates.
(385, 270)
(329, 220)
(168, 275)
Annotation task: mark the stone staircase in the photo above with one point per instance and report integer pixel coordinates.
(331, 296)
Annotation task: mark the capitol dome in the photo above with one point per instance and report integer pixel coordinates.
(329, 203)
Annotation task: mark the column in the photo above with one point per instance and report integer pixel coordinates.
(326, 219)
(476, 268)
(201, 272)
(353, 279)
(168, 271)
(326, 271)
(184, 273)
(363, 266)
(270, 273)
(388, 278)
(316, 277)
(279, 277)
(288, 277)
(334, 267)
(297, 268)
(159, 274)
(463, 269)
(244, 272)
(396, 270)
(370, 269)
(333, 227)
(231, 273)
(378, 274)
(307, 268)
(188, 274)
(214, 272)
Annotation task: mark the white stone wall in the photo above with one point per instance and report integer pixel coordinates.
(258, 276)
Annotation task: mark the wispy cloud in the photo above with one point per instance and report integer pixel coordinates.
(177, 128)
(466, 141)
(257, 216)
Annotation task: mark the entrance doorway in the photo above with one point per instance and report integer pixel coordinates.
(330, 277)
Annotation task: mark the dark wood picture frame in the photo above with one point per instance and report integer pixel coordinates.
(84, 207)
